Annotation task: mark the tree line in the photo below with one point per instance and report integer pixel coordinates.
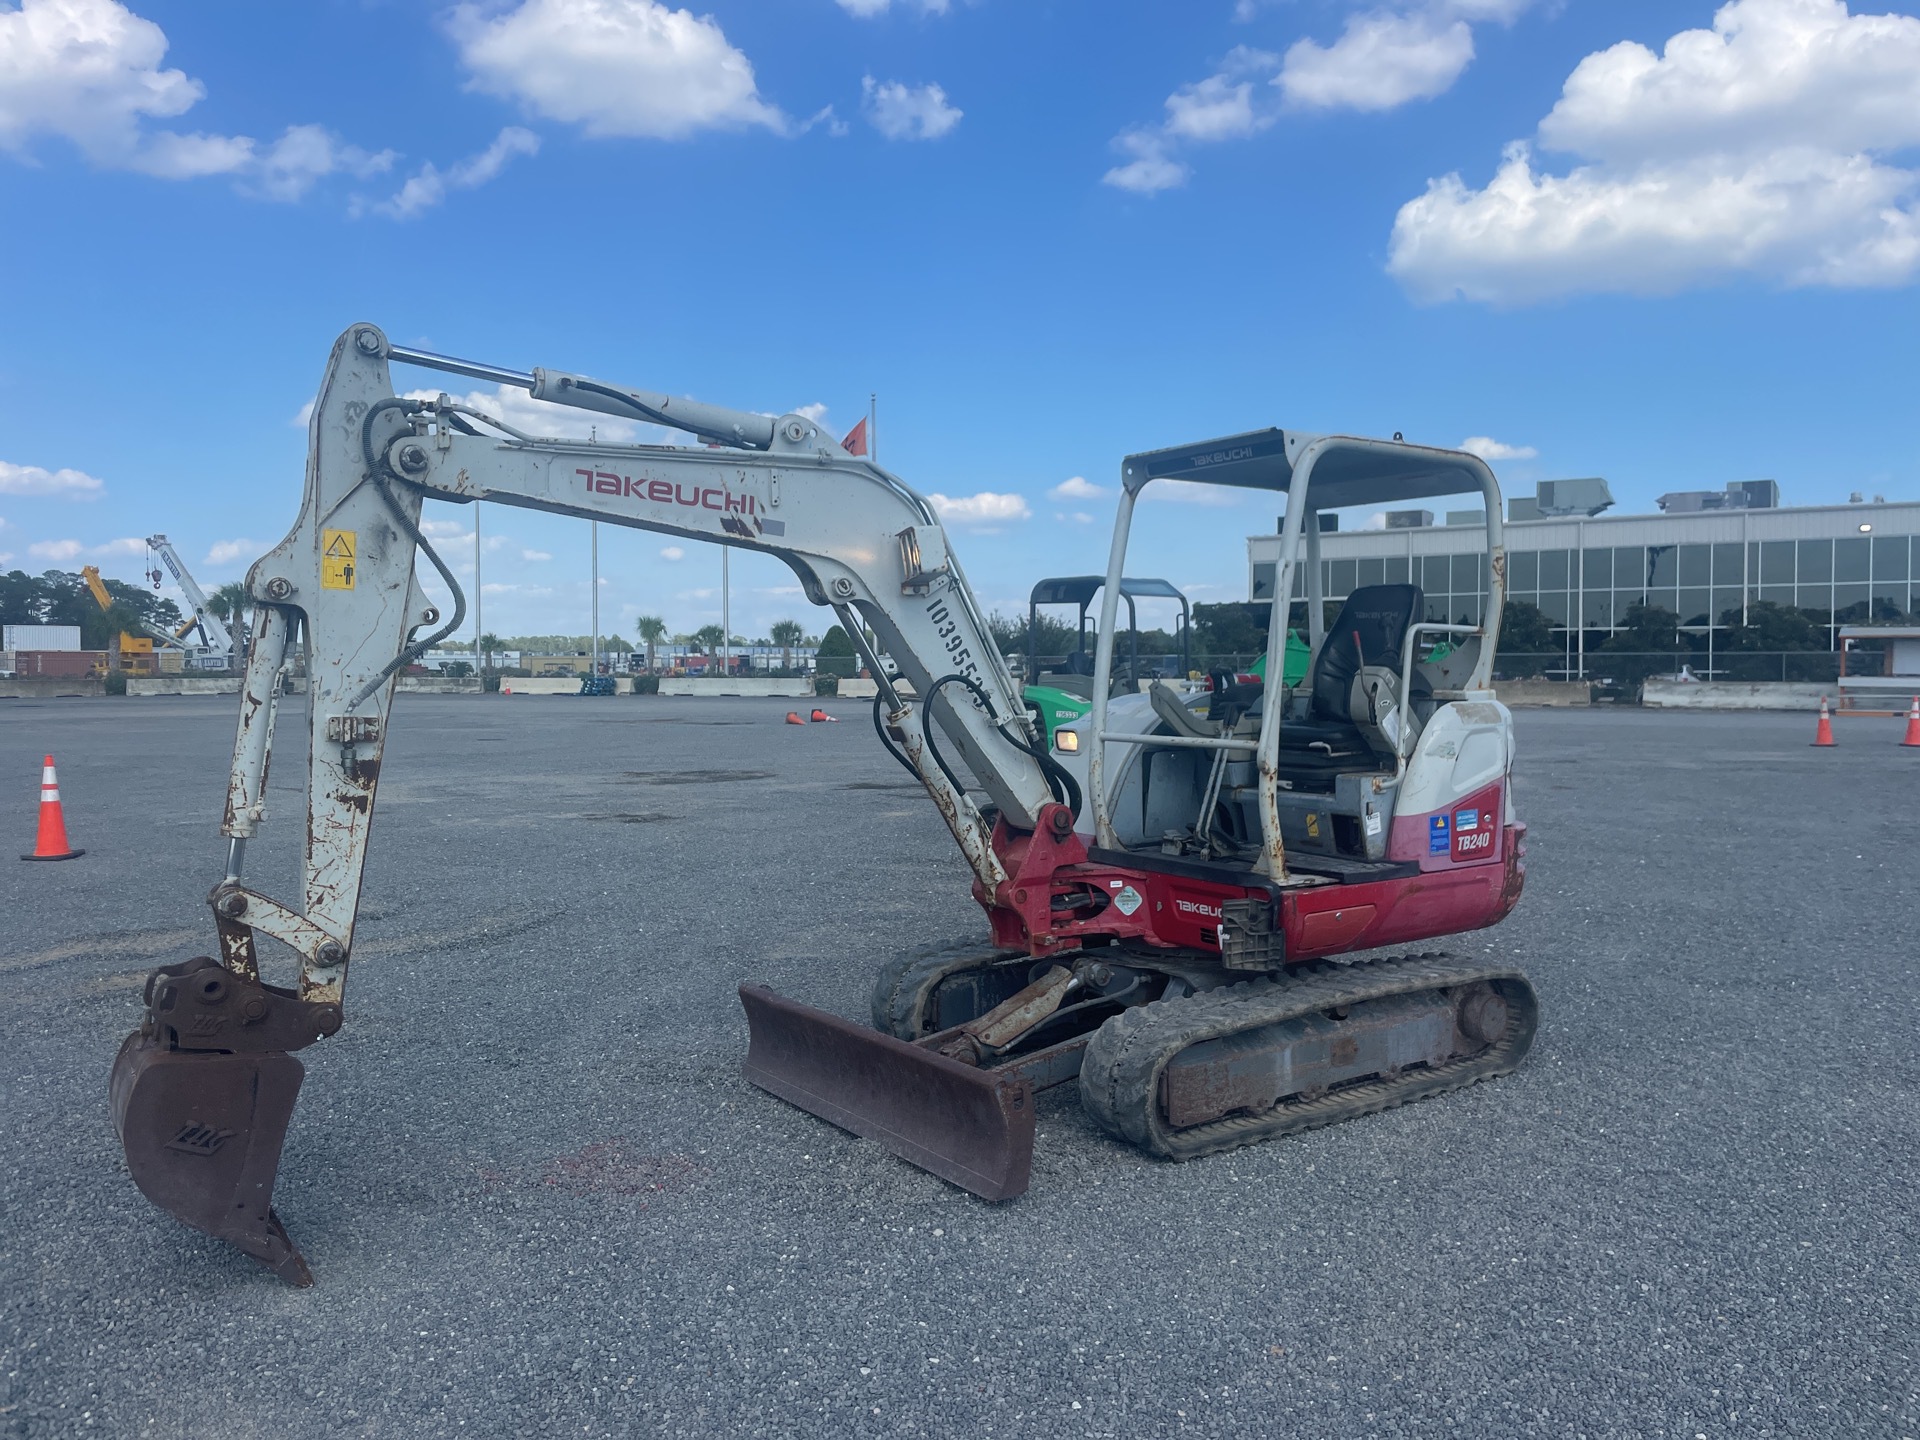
(61, 597)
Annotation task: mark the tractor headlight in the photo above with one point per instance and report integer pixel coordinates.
(1067, 742)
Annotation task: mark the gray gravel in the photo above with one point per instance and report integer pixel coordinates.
(541, 1201)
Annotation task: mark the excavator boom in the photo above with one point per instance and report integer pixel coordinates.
(211, 1075)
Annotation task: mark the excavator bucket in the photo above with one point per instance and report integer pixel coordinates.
(202, 1093)
(202, 1133)
(970, 1126)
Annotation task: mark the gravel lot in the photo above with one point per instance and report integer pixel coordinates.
(540, 1200)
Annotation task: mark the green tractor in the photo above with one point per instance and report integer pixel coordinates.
(1065, 693)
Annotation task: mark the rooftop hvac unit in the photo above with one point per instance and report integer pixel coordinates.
(1466, 517)
(1523, 507)
(1573, 497)
(1409, 519)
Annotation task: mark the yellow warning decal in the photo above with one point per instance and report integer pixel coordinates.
(337, 549)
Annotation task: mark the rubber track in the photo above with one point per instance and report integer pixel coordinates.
(1120, 1074)
(905, 984)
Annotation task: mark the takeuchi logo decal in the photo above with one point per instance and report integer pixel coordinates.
(735, 511)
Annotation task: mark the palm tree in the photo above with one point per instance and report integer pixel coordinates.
(229, 600)
(652, 630)
(489, 643)
(787, 634)
(710, 638)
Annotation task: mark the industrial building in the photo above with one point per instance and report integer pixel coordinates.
(1709, 553)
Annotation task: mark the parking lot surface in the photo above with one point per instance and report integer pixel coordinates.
(540, 1200)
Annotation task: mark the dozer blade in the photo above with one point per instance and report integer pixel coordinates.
(970, 1126)
(202, 1133)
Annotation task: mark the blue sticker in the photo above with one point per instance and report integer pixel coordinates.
(1466, 820)
(1437, 837)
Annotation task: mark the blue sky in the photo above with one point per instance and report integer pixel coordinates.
(1673, 244)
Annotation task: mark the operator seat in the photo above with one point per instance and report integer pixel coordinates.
(1370, 633)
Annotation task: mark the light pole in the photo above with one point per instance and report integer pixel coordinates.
(477, 631)
(595, 665)
(726, 616)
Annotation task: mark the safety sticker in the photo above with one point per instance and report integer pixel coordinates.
(1439, 837)
(1464, 820)
(1127, 901)
(337, 549)
(1374, 822)
(1313, 827)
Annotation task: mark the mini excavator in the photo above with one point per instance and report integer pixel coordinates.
(1165, 891)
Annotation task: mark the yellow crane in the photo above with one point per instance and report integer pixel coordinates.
(136, 651)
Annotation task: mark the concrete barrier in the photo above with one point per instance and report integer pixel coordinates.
(795, 688)
(444, 685)
(50, 687)
(1732, 695)
(183, 684)
(540, 684)
(1516, 693)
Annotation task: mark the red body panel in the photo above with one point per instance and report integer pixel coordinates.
(1057, 899)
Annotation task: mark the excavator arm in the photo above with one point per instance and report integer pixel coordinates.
(203, 1093)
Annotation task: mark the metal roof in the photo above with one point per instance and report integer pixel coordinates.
(1079, 589)
(1353, 470)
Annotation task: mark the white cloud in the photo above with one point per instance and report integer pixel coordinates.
(61, 551)
(816, 412)
(1077, 487)
(1150, 170)
(901, 112)
(428, 186)
(869, 9)
(627, 68)
(88, 72)
(32, 480)
(672, 552)
(536, 555)
(302, 416)
(225, 552)
(1383, 58)
(1192, 492)
(1488, 448)
(1381, 61)
(986, 509)
(549, 421)
(1757, 148)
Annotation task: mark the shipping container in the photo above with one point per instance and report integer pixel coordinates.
(58, 664)
(40, 637)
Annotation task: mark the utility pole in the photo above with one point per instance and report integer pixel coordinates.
(873, 426)
(477, 630)
(595, 670)
(726, 616)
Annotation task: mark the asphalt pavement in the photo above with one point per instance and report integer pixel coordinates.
(540, 1200)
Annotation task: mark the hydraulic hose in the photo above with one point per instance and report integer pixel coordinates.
(1060, 781)
(379, 474)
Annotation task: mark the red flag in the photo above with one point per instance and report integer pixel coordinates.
(856, 441)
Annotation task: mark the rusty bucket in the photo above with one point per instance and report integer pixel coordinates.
(970, 1126)
(202, 1095)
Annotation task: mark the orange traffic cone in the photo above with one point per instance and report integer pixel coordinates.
(819, 715)
(1913, 724)
(51, 843)
(793, 718)
(1823, 732)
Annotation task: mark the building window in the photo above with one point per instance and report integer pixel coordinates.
(1263, 582)
(1434, 574)
(1397, 572)
(1850, 560)
(1373, 572)
(1554, 603)
(1523, 570)
(1696, 565)
(1695, 607)
(1629, 567)
(1729, 565)
(1596, 569)
(1816, 562)
(1345, 576)
(1555, 570)
(1776, 563)
(1890, 557)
